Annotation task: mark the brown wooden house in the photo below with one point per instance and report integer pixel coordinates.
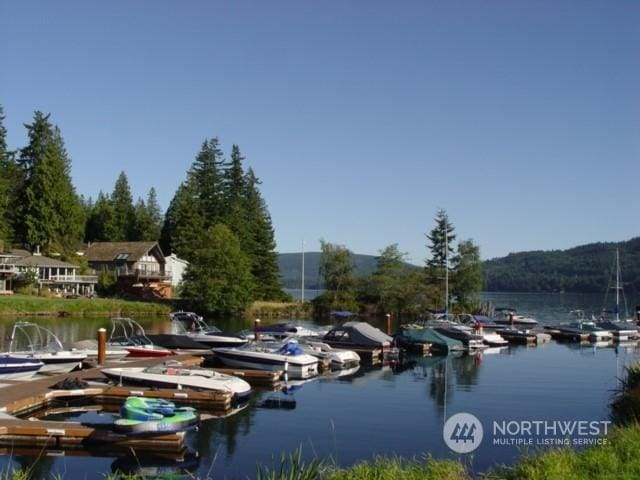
(138, 267)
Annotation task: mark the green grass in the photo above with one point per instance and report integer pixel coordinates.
(396, 468)
(617, 459)
(31, 305)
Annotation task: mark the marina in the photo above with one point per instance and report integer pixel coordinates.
(391, 399)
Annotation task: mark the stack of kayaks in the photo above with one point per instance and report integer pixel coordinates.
(148, 415)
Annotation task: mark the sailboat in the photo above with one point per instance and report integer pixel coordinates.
(621, 329)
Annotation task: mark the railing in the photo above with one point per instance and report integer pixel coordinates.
(74, 278)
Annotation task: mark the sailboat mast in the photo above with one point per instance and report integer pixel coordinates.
(302, 282)
(617, 284)
(446, 273)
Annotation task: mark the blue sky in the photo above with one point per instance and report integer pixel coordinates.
(362, 118)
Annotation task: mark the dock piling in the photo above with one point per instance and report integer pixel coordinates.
(102, 345)
(256, 329)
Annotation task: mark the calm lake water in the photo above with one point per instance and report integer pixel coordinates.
(390, 410)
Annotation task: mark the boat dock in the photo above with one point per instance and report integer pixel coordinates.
(21, 398)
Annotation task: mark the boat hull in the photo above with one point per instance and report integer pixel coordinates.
(301, 368)
(217, 382)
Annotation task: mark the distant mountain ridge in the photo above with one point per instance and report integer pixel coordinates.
(583, 269)
(291, 268)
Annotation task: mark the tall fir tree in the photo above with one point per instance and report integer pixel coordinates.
(124, 211)
(48, 204)
(100, 225)
(206, 180)
(148, 219)
(183, 224)
(7, 170)
(441, 247)
(259, 242)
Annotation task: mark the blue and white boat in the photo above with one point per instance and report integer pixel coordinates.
(14, 368)
(287, 357)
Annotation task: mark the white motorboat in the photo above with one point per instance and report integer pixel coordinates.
(287, 357)
(90, 348)
(128, 335)
(14, 368)
(190, 331)
(31, 341)
(509, 316)
(178, 376)
(340, 359)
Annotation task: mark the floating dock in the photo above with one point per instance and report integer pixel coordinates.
(20, 398)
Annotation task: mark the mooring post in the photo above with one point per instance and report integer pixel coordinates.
(256, 329)
(388, 323)
(102, 345)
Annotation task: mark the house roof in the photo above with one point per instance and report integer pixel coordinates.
(41, 261)
(125, 251)
(19, 252)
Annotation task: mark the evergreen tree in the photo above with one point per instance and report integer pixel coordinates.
(147, 223)
(124, 211)
(441, 240)
(467, 274)
(7, 171)
(101, 225)
(48, 205)
(259, 243)
(183, 225)
(205, 178)
(218, 279)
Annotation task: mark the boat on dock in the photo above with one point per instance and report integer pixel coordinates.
(127, 334)
(339, 359)
(17, 368)
(191, 332)
(484, 327)
(419, 335)
(33, 342)
(509, 316)
(358, 336)
(467, 335)
(580, 329)
(280, 331)
(288, 358)
(177, 376)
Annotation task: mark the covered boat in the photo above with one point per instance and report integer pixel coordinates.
(416, 334)
(288, 358)
(147, 415)
(358, 335)
(177, 376)
(14, 368)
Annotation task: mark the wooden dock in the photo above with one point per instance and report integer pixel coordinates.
(63, 435)
(24, 397)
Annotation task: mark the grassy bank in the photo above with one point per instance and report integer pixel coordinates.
(16, 305)
(279, 310)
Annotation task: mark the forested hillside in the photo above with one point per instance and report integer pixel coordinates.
(586, 268)
(291, 268)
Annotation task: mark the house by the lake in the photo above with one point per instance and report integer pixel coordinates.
(138, 268)
(60, 277)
